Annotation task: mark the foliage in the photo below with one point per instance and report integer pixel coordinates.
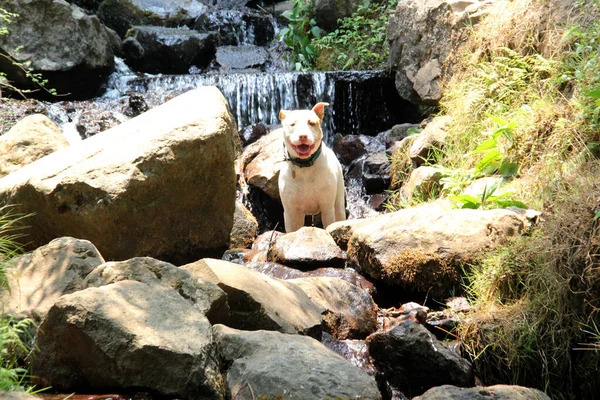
(359, 42)
(13, 333)
(302, 29)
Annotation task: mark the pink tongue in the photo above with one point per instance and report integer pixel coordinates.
(303, 148)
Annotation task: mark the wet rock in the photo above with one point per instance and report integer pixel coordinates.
(422, 248)
(244, 228)
(204, 295)
(413, 360)
(279, 271)
(39, 278)
(241, 57)
(265, 240)
(423, 37)
(272, 364)
(166, 173)
(498, 392)
(77, 68)
(257, 301)
(423, 184)
(426, 147)
(30, 139)
(168, 50)
(376, 173)
(260, 163)
(353, 350)
(252, 133)
(348, 148)
(92, 121)
(136, 105)
(350, 312)
(398, 132)
(167, 9)
(307, 248)
(107, 337)
(238, 26)
(123, 15)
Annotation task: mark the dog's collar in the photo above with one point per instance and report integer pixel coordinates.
(302, 162)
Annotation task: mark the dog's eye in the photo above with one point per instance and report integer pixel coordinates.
(293, 124)
(312, 123)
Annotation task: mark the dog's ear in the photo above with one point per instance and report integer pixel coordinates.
(319, 109)
(282, 114)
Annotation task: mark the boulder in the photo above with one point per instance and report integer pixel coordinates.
(266, 240)
(424, 248)
(241, 57)
(265, 364)
(155, 49)
(423, 35)
(17, 396)
(327, 12)
(279, 271)
(413, 360)
(423, 184)
(497, 392)
(348, 148)
(376, 173)
(122, 15)
(307, 248)
(238, 25)
(257, 301)
(244, 228)
(39, 278)
(350, 313)
(204, 295)
(71, 49)
(31, 138)
(160, 185)
(108, 337)
(166, 9)
(427, 145)
(260, 163)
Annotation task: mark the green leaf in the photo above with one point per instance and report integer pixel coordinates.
(597, 217)
(287, 14)
(497, 120)
(594, 94)
(487, 145)
(508, 169)
(502, 203)
(489, 163)
(465, 198)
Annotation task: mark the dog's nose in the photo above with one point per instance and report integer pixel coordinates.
(303, 138)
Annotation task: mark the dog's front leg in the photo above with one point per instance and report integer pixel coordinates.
(327, 217)
(293, 221)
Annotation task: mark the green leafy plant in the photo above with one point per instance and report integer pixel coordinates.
(486, 198)
(301, 30)
(359, 42)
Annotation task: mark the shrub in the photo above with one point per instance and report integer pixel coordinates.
(299, 34)
(359, 42)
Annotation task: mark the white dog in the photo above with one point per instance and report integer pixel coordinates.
(311, 179)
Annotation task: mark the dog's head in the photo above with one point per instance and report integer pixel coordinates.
(302, 132)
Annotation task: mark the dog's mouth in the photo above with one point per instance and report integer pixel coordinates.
(303, 150)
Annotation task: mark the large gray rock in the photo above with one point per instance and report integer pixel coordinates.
(242, 57)
(68, 47)
(128, 335)
(155, 49)
(38, 279)
(270, 365)
(307, 248)
(204, 295)
(413, 360)
(31, 138)
(160, 185)
(170, 8)
(351, 313)
(257, 301)
(422, 36)
(423, 248)
(497, 392)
